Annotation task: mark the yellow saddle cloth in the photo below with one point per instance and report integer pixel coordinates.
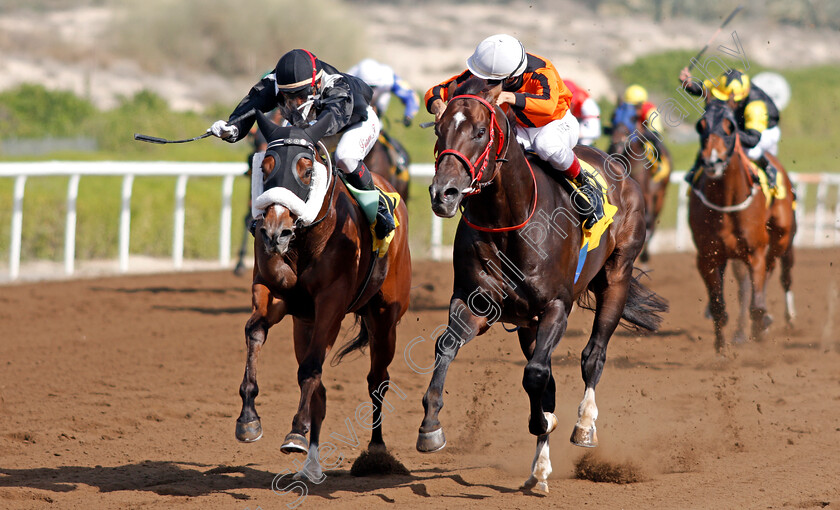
(660, 168)
(382, 245)
(779, 191)
(592, 236)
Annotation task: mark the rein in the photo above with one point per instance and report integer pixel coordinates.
(477, 173)
(747, 201)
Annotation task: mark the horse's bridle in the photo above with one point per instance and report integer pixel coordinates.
(729, 154)
(477, 172)
(501, 150)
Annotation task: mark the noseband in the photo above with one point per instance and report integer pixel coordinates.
(476, 171)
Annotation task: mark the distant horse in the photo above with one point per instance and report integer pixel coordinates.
(504, 273)
(730, 220)
(313, 261)
(649, 163)
(382, 160)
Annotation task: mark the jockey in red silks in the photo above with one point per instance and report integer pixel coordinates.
(586, 111)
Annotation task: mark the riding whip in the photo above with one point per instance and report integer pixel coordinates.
(725, 22)
(154, 139)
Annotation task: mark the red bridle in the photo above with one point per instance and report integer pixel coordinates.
(477, 172)
(484, 158)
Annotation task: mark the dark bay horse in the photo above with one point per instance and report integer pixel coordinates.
(315, 264)
(730, 220)
(638, 148)
(516, 253)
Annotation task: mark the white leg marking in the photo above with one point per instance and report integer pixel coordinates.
(311, 467)
(588, 411)
(540, 467)
(459, 118)
(790, 311)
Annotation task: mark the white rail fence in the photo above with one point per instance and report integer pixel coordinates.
(817, 227)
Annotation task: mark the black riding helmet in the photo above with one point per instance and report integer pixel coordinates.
(296, 71)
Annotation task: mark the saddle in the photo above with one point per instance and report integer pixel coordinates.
(368, 201)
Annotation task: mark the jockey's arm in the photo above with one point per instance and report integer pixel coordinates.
(690, 85)
(437, 96)
(336, 105)
(539, 95)
(261, 97)
(408, 97)
(749, 138)
(756, 116)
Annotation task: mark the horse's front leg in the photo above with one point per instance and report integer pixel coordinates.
(267, 311)
(463, 327)
(761, 320)
(711, 270)
(541, 465)
(312, 341)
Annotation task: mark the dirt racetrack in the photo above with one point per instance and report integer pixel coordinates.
(123, 393)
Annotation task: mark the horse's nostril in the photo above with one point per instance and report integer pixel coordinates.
(450, 193)
(286, 232)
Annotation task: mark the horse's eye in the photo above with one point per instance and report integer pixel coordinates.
(481, 132)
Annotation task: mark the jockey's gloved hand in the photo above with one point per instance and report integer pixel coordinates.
(406, 121)
(223, 130)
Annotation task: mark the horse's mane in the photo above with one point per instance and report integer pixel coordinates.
(474, 86)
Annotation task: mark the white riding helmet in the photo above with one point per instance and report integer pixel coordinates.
(373, 73)
(498, 57)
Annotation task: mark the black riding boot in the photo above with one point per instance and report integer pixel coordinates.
(360, 178)
(594, 210)
(689, 176)
(769, 169)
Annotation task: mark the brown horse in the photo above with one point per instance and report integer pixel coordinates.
(516, 255)
(316, 265)
(730, 220)
(632, 145)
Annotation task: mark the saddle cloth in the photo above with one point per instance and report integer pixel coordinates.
(368, 201)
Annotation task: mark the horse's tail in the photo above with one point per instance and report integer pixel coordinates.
(643, 308)
(359, 342)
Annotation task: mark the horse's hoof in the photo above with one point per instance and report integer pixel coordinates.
(248, 432)
(587, 438)
(739, 338)
(295, 443)
(430, 442)
(533, 483)
(766, 321)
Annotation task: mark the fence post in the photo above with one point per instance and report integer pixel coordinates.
(437, 237)
(125, 220)
(682, 217)
(224, 228)
(178, 231)
(837, 216)
(70, 224)
(819, 215)
(801, 196)
(17, 227)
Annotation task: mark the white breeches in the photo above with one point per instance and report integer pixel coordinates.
(769, 142)
(357, 141)
(553, 142)
(590, 122)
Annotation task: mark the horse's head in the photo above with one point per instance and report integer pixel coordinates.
(469, 134)
(717, 129)
(288, 171)
(624, 123)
